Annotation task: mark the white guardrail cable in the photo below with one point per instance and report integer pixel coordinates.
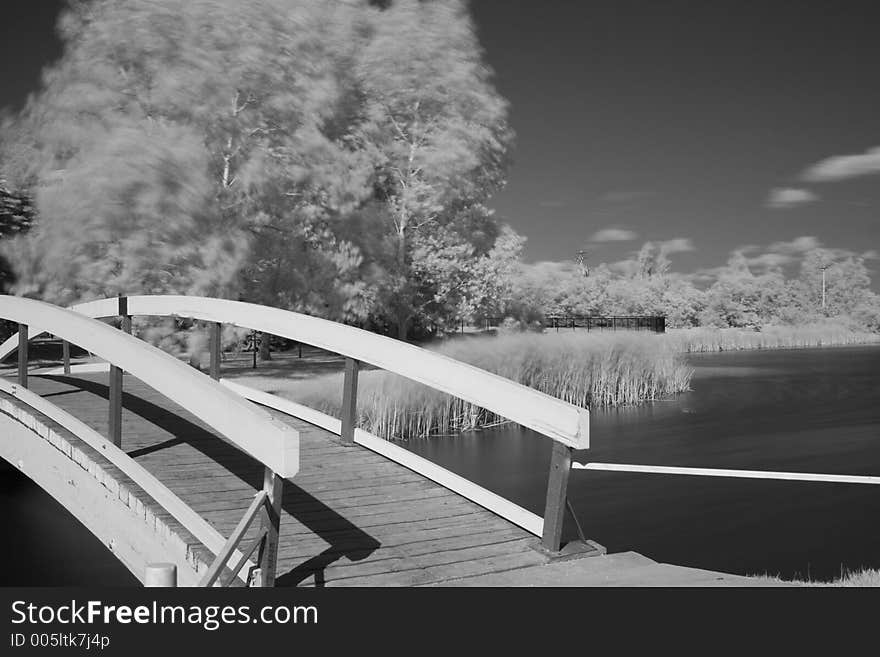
(721, 472)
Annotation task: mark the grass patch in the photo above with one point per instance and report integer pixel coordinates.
(823, 334)
(580, 368)
(848, 578)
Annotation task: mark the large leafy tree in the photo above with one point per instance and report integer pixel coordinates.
(16, 218)
(434, 129)
(286, 151)
(172, 136)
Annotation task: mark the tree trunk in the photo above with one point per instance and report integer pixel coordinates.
(265, 354)
(403, 301)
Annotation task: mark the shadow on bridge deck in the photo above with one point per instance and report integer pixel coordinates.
(348, 517)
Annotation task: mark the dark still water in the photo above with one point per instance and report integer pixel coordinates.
(810, 410)
(44, 545)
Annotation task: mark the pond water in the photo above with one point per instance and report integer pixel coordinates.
(811, 410)
(807, 410)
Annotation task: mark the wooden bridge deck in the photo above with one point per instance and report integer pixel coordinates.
(349, 517)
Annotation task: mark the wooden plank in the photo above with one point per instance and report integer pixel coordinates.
(409, 543)
(445, 572)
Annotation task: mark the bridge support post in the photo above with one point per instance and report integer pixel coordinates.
(557, 488)
(23, 355)
(123, 314)
(273, 485)
(214, 348)
(65, 355)
(115, 423)
(349, 400)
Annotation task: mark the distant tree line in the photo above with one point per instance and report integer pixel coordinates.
(738, 297)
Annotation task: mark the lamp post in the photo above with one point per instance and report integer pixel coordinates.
(823, 268)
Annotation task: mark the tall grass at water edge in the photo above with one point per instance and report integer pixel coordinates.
(582, 369)
(822, 334)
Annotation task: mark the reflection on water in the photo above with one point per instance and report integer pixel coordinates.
(812, 410)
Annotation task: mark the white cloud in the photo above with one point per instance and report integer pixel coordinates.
(841, 167)
(675, 245)
(789, 197)
(770, 260)
(800, 244)
(614, 235)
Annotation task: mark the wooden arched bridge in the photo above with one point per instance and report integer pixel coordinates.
(232, 485)
(195, 480)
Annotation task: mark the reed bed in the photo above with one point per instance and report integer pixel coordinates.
(582, 369)
(825, 334)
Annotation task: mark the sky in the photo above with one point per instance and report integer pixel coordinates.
(677, 121)
(707, 127)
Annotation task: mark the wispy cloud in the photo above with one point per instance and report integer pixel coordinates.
(676, 245)
(770, 260)
(798, 245)
(788, 197)
(841, 167)
(614, 235)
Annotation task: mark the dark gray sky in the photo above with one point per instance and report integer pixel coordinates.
(657, 121)
(676, 120)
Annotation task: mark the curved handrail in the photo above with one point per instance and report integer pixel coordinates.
(547, 415)
(252, 429)
(201, 529)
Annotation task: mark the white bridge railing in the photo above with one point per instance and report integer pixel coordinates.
(722, 472)
(245, 425)
(565, 424)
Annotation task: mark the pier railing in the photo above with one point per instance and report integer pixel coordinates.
(565, 424)
(249, 428)
(656, 324)
(590, 322)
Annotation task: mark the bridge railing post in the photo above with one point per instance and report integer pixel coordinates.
(349, 400)
(65, 355)
(273, 485)
(115, 420)
(557, 489)
(23, 355)
(214, 348)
